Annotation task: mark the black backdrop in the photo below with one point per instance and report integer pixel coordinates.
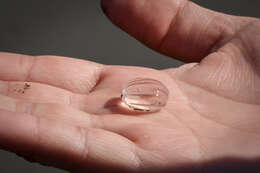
(77, 28)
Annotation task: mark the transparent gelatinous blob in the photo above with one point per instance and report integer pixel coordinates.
(145, 94)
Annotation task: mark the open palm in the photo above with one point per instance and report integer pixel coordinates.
(66, 112)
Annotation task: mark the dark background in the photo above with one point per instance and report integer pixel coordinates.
(78, 28)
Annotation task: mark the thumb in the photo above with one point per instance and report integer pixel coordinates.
(177, 28)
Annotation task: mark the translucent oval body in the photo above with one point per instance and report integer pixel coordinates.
(145, 95)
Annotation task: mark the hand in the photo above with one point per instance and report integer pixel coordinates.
(64, 112)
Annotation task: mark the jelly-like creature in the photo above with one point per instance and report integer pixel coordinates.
(143, 94)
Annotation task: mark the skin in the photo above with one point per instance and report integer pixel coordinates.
(66, 112)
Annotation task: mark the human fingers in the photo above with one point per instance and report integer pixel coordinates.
(66, 146)
(51, 111)
(35, 92)
(75, 75)
(177, 28)
(117, 123)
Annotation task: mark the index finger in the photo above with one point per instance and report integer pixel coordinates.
(76, 75)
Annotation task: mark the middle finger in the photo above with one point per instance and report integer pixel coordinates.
(51, 111)
(35, 92)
